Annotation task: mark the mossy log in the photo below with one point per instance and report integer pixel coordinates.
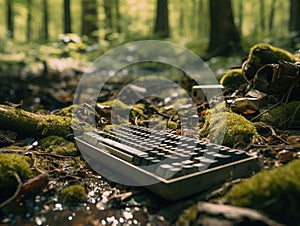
(28, 123)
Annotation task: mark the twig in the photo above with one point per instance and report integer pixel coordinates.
(20, 184)
(273, 106)
(35, 164)
(294, 114)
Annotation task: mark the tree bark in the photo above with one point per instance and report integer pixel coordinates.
(67, 17)
(224, 36)
(161, 28)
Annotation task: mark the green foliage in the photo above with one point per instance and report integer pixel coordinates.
(283, 116)
(10, 163)
(275, 192)
(73, 194)
(261, 54)
(233, 79)
(59, 145)
(229, 125)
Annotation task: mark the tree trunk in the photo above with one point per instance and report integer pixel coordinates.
(118, 16)
(89, 19)
(294, 23)
(67, 17)
(10, 19)
(262, 15)
(161, 28)
(45, 31)
(224, 37)
(272, 15)
(29, 17)
(107, 5)
(240, 16)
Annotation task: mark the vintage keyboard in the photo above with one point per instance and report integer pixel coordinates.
(172, 166)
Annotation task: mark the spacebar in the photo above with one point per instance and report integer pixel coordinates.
(125, 148)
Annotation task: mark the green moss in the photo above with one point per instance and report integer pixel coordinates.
(188, 216)
(54, 124)
(73, 194)
(67, 111)
(233, 79)
(275, 192)
(116, 103)
(262, 54)
(59, 145)
(229, 125)
(283, 116)
(12, 163)
(171, 125)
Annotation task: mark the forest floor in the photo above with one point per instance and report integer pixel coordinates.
(105, 203)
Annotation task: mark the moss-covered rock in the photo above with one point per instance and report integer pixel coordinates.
(262, 54)
(275, 192)
(233, 79)
(227, 125)
(284, 116)
(59, 145)
(73, 194)
(10, 163)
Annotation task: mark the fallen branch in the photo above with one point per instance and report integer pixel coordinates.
(20, 184)
(25, 122)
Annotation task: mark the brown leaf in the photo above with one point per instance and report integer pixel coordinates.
(33, 186)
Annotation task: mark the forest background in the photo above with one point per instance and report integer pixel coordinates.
(209, 28)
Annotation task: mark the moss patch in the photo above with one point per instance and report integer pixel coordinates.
(227, 125)
(59, 145)
(275, 192)
(262, 54)
(73, 194)
(12, 163)
(233, 79)
(53, 124)
(67, 111)
(284, 116)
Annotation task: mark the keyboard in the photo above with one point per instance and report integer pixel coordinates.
(170, 165)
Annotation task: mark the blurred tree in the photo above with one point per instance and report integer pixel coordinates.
(294, 23)
(45, 31)
(161, 28)
(10, 18)
(272, 15)
(262, 10)
(240, 15)
(224, 36)
(89, 18)
(107, 5)
(67, 17)
(118, 16)
(29, 17)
